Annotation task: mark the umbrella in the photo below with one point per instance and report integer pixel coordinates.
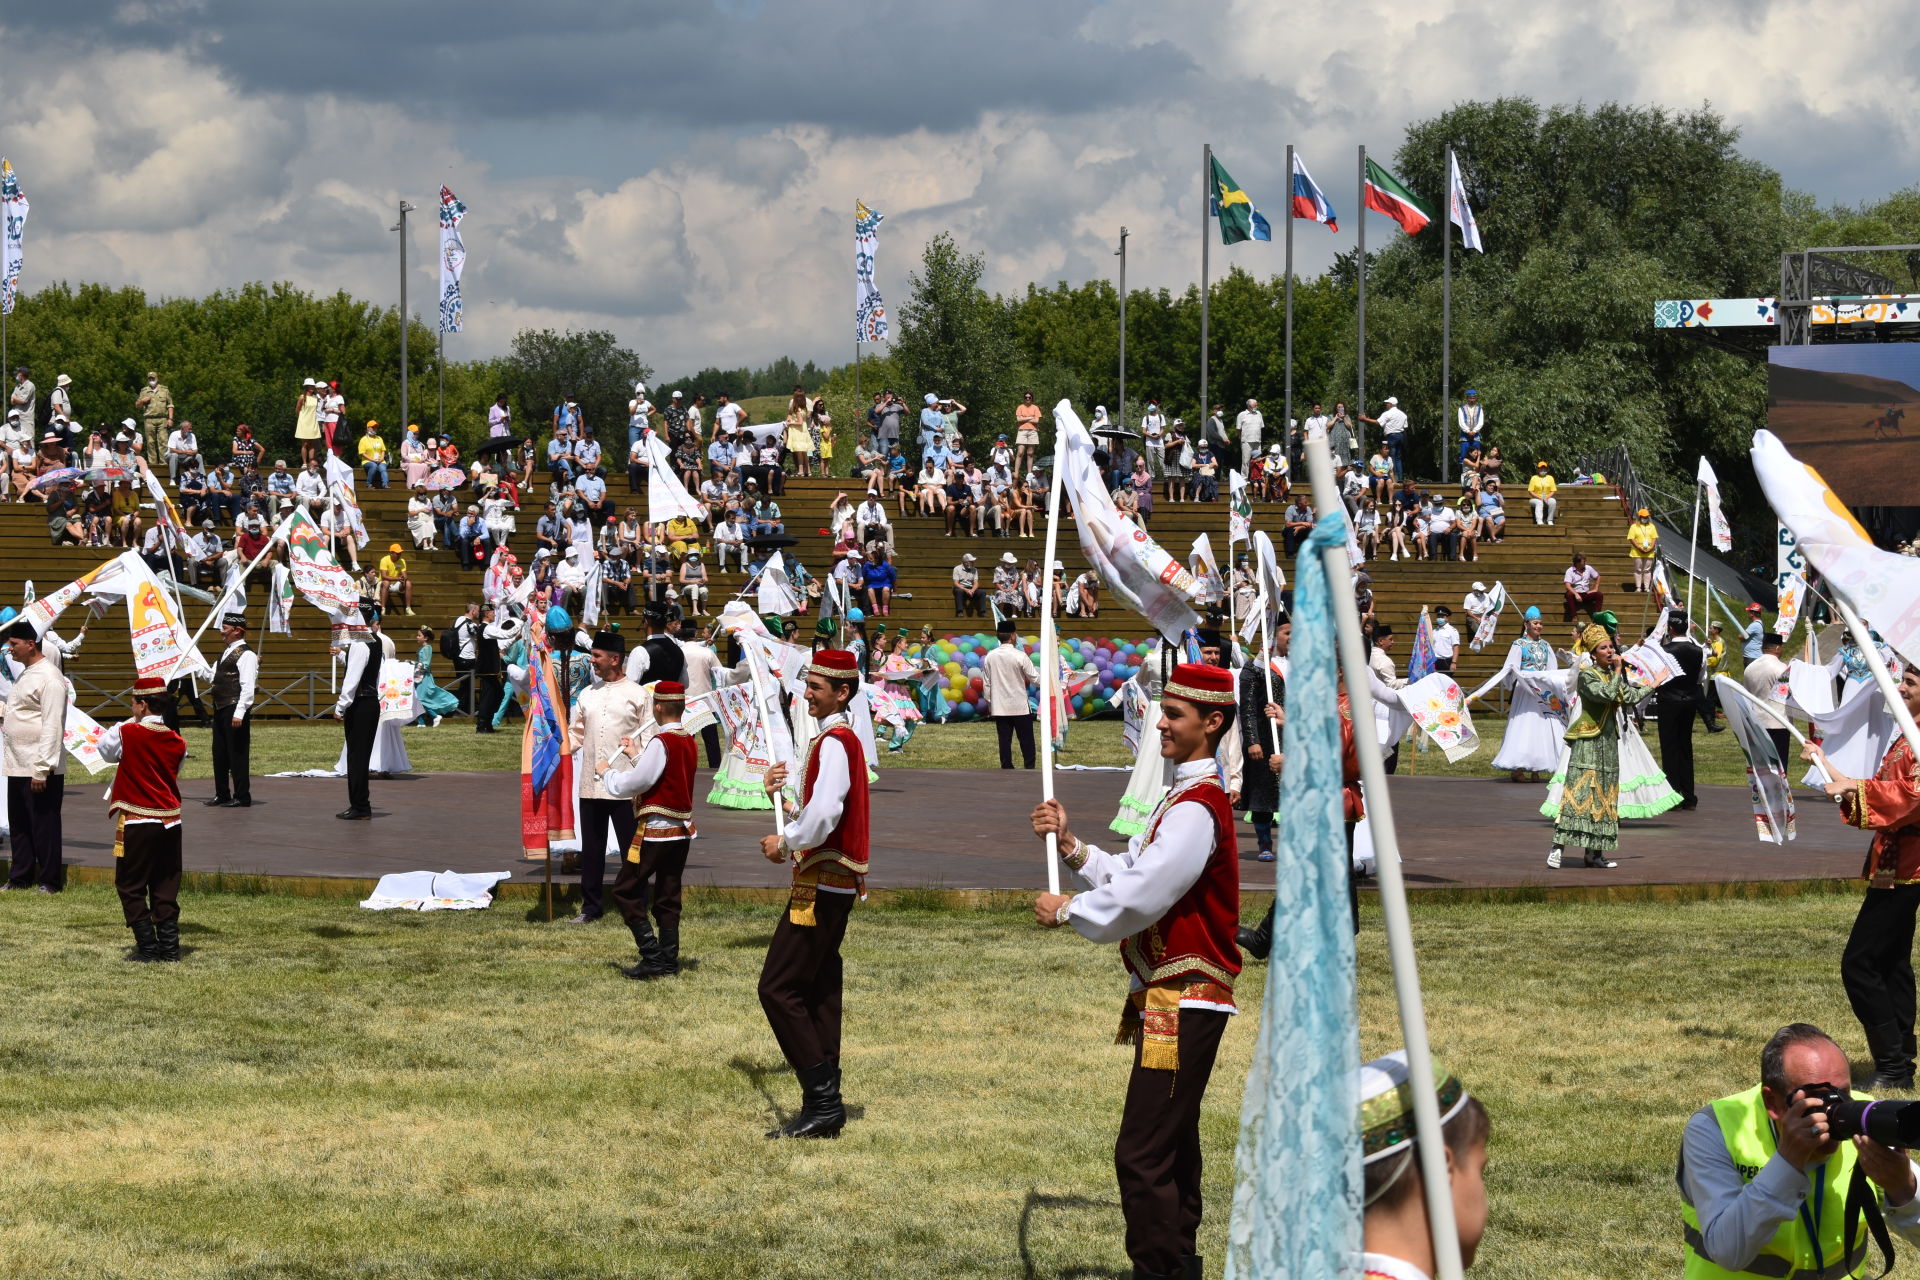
(499, 444)
(1116, 433)
(112, 475)
(445, 478)
(57, 476)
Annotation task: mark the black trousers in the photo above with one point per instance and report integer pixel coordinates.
(186, 694)
(35, 835)
(662, 865)
(363, 726)
(1156, 1158)
(232, 753)
(147, 873)
(1007, 727)
(595, 817)
(1443, 664)
(711, 736)
(800, 982)
(463, 688)
(1676, 748)
(486, 702)
(1877, 966)
(1783, 743)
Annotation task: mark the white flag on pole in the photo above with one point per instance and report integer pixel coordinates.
(1458, 210)
(667, 498)
(453, 260)
(1722, 531)
(776, 593)
(13, 205)
(869, 312)
(1207, 570)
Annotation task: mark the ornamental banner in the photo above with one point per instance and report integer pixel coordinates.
(398, 697)
(453, 260)
(869, 312)
(14, 205)
(1439, 708)
(315, 574)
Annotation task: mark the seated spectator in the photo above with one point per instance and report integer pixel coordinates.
(930, 488)
(373, 456)
(686, 460)
(870, 520)
(1299, 523)
(1366, 528)
(616, 577)
(730, 540)
(879, 582)
(961, 512)
(1003, 502)
(1276, 474)
(222, 496)
(683, 535)
(498, 509)
(96, 514)
(193, 494)
(851, 575)
(420, 521)
(246, 449)
(591, 488)
(206, 555)
(182, 447)
(767, 520)
(968, 599)
(870, 465)
(1443, 531)
(713, 494)
(1206, 473)
(126, 514)
(1582, 588)
(1541, 490)
(1008, 584)
(1380, 474)
(560, 462)
(1492, 512)
(393, 576)
(310, 484)
(1466, 528)
(655, 573)
(1083, 597)
(414, 458)
(280, 481)
(694, 586)
(449, 455)
(63, 520)
(470, 541)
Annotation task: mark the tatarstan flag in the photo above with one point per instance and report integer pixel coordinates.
(1387, 194)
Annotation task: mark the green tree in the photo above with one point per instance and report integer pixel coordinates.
(957, 341)
(543, 366)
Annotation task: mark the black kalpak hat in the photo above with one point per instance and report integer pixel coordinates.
(1383, 630)
(609, 642)
(233, 620)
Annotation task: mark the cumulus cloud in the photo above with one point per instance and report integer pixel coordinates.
(684, 173)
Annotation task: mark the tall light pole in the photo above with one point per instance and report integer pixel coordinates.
(1121, 253)
(401, 227)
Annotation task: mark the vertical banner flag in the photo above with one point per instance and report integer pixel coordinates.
(1722, 531)
(1421, 662)
(280, 602)
(869, 312)
(453, 260)
(1459, 212)
(14, 205)
(1239, 510)
(1772, 793)
(1308, 201)
(1212, 588)
(1387, 194)
(667, 497)
(1239, 220)
(316, 575)
(1497, 603)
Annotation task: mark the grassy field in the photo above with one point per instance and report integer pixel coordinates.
(278, 747)
(319, 1092)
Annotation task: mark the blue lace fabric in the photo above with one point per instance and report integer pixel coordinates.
(1296, 1196)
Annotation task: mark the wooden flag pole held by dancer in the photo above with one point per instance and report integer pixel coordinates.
(1431, 1148)
(1863, 637)
(1049, 654)
(762, 698)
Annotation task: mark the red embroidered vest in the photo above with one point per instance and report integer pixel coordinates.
(147, 783)
(1195, 939)
(846, 844)
(671, 796)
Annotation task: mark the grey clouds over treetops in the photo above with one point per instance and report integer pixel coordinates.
(684, 173)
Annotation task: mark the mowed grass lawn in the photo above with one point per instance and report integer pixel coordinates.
(323, 1092)
(279, 747)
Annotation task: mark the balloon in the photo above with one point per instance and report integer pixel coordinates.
(951, 668)
(1078, 702)
(964, 711)
(974, 687)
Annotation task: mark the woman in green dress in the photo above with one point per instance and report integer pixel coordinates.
(1589, 816)
(435, 702)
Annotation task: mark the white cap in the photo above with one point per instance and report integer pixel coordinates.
(1007, 557)
(129, 424)
(640, 388)
(967, 558)
(676, 395)
(1479, 586)
(307, 382)
(1393, 399)
(856, 554)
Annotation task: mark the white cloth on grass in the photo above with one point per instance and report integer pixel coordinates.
(430, 891)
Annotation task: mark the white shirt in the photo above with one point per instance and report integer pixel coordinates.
(871, 512)
(1472, 418)
(182, 442)
(463, 634)
(350, 679)
(1153, 424)
(1581, 579)
(604, 714)
(248, 666)
(1123, 893)
(1442, 518)
(310, 484)
(1477, 603)
(638, 411)
(703, 669)
(619, 784)
(1249, 424)
(1392, 421)
(1381, 663)
(1315, 427)
(36, 718)
(1446, 640)
(727, 416)
(822, 812)
(1007, 673)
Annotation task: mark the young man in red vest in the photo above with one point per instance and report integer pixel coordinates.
(145, 799)
(661, 781)
(1172, 902)
(826, 839)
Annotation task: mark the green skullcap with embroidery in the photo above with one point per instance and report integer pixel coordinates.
(1386, 1104)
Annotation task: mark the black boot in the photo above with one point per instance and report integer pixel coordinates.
(668, 963)
(1141, 1273)
(1192, 1267)
(649, 945)
(1892, 1067)
(143, 942)
(822, 1115)
(1257, 942)
(166, 946)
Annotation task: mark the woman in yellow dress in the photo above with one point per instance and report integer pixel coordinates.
(799, 434)
(306, 420)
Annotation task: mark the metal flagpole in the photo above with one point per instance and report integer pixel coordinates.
(1446, 322)
(1286, 419)
(1049, 654)
(1693, 550)
(1206, 214)
(440, 366)
(1360, 220)
(1121, 253)
(401, 227)
(1393, 900)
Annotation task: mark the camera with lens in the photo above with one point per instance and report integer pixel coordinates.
(1895, 1124)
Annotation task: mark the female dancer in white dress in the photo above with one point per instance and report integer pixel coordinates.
(1537, 714)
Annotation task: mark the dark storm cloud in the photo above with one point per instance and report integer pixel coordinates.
(880, 68)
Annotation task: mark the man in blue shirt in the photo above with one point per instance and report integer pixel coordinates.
(592, 490)
(470, 540)
(560, 456)
(617, 574)
(1754, 635)
(932, 422)
(720, 456)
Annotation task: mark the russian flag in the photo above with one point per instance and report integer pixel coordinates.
(1308, 202)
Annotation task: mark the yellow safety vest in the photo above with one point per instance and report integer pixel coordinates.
(1797, 1251)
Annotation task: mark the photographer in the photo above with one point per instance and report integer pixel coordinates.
(1765, 1175)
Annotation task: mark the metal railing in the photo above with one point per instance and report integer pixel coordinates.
(313, 688)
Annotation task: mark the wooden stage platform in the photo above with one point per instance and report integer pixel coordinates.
(960, 829)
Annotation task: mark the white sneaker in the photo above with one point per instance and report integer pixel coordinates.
(1553, 858)
(436, 722)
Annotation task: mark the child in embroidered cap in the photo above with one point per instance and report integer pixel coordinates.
(1171, 901)
(826, 839)
(661, 783)
(146, 805)
(1397, 1243)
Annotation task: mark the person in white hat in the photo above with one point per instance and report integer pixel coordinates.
(1393, 430)
(968, 599)
(1396, 1240)
(639, 415)
(306, 425)
(60, 403)
(932, 422)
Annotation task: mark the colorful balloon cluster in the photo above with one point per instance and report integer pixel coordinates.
(1110, 661)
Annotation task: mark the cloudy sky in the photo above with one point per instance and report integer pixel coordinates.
(684, 172)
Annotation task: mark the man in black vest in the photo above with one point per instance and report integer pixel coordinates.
(235, 676)
(359, 709)
(665, 659)
(487, 671)
(1676, 701)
